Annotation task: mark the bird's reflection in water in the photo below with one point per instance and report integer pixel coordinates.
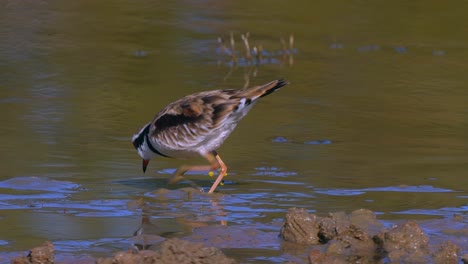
(150, 234)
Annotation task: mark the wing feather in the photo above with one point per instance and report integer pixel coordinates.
(189, 121)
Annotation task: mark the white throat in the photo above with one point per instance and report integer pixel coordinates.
(143, 145)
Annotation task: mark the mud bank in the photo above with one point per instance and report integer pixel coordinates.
(360, 238)
(173, 250)
(357, 237)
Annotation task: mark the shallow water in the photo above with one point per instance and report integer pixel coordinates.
(375, 116)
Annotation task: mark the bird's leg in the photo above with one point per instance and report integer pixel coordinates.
(222, 171)
(178, 175)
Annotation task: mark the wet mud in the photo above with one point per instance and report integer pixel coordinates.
(360, 238)
(357, 237)
(173, 250)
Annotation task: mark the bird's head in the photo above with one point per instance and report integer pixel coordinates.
(141, 146)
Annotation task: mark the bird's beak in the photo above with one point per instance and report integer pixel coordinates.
(145, 164)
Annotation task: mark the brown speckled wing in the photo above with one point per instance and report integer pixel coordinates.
(191, 121)
(188, 121)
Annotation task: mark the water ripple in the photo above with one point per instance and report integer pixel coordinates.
(352, 192)
(39, 184)
(446, 212)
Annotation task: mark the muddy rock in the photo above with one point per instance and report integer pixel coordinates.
(360, 238)
(353, 244)
(340, 219)
(408, 236)
(366, 220)
(318, 257)
(332, 226)
(405, 243)
(39, 255)
(171, 251)
(304, 228)
(346, 238)
(124, 257)
(300, 227)
(447, 253)
(180, 251)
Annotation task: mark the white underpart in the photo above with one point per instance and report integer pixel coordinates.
(145, 152)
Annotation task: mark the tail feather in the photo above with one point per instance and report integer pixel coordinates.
(273, 86)
(264, 90)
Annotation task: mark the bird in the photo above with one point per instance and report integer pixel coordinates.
(197, 125)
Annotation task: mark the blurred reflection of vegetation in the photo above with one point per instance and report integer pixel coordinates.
(250, 58)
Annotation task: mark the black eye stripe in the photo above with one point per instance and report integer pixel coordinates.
(141, 137)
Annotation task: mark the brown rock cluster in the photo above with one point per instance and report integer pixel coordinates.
(360, 238)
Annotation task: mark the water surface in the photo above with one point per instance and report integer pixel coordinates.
(375, 116)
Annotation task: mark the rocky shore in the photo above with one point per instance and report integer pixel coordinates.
(357, 237)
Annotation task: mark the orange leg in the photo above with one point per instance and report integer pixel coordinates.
(222, 172)
(215, 162)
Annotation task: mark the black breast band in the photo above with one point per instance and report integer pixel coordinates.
(153, 148)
